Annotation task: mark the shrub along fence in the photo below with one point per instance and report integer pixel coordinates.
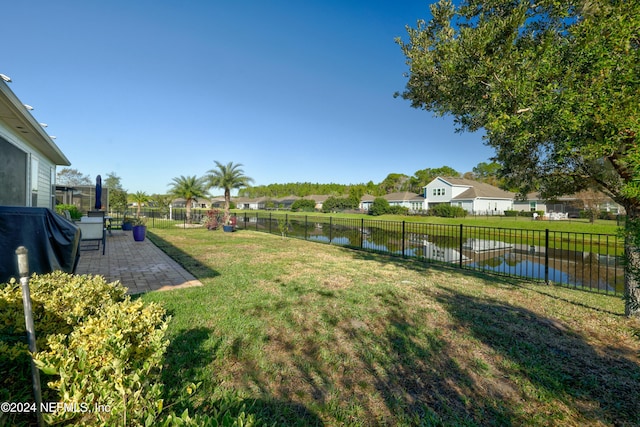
(579, 260)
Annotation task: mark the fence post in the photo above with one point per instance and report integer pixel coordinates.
(546, 256)
(330, 229)
(305, 227)
(461, 231)
(361, 233)
(403, 253)
(270, 219)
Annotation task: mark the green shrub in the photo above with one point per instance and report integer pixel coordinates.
(511, 213)
(447, 211)
(303, 205)
(99, 350)
(96, 347)
(73, 211)
(398, 210)
(337, 204)
(380, 206)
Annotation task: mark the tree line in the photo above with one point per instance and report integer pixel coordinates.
(393, 183)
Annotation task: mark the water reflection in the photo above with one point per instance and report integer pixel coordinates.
(580, 269)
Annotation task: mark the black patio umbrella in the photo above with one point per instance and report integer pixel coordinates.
(98, 192)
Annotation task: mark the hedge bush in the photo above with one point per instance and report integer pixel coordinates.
(447, 211)
(398, 210)
(339, 204)
(98, 349)
(73, 211)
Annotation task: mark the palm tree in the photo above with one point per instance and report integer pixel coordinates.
(189, 188)
(139, 198)
(227, 177)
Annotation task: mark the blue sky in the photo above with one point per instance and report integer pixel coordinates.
(296, 91)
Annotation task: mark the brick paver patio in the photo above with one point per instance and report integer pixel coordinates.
(140, 266)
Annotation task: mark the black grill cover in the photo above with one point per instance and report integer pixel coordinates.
(53, 242)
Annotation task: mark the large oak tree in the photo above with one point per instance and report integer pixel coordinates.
(554, 84)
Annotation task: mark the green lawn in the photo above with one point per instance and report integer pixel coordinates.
(579, 225)
(309, 334)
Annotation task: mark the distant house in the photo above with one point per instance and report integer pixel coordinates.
(473, 196)
(412, 201)
(217, 202)
(28, 156)
(182, 203)
(366, 201)
(570, 204)
(535, 202)
(251, 203)
(285, 202)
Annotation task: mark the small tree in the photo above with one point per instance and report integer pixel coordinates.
(336, 204)
(162, 202)
(380, 206)
(592, 201)
(189, 188)
(304, 205)
(283, 227)
(139, 198)
(112, 181)
(72, 177)
(227, 177)
(118, 199)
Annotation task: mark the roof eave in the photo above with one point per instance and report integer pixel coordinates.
(31, 130)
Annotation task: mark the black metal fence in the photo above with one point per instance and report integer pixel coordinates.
(580, 260)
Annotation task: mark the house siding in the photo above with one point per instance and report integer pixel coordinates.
(38, 188)
(28, 180)
(473, 197)
(45, 192)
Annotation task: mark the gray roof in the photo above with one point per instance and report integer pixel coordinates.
(478, 190)
(404, 196)
(318, 198)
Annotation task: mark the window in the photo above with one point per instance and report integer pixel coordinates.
(13, 174)
(34, 180)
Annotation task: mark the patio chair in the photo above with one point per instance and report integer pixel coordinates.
(93, 230)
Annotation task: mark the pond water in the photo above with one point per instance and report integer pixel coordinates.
(579, 269)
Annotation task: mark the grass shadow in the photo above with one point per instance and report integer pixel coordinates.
(600, 384)
(192, 265)
(189, 353)
(186, 354)
(409, 368)
(417, 374)
(493, 279)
